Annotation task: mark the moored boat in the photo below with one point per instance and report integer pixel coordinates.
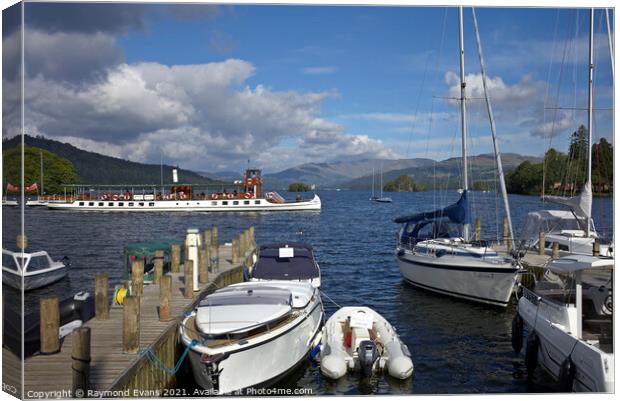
(356, 338)
(247, 196)
(251, 334)
(35, 270)
(569, 316)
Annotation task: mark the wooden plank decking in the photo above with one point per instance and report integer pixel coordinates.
(110, 367)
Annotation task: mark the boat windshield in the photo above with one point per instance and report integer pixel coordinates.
(38, 263)
(8, 261)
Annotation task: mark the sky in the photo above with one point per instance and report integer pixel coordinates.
(209, 87)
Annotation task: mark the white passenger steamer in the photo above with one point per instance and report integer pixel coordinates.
(247, 196)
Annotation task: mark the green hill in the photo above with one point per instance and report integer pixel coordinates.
(56, 170)
(97, 169)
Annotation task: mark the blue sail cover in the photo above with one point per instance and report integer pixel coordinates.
(457, 213)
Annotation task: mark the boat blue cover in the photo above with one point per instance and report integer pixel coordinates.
(457, 213)
(270, 266)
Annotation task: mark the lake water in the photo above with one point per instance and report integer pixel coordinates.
(457, 347)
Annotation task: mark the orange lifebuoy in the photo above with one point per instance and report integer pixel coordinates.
(230, 196)
(249, 181)
(115, 197)
(247, 195)
(213, 196)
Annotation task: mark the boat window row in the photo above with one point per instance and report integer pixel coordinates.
(152, 204)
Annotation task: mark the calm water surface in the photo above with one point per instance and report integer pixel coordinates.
(457, 347)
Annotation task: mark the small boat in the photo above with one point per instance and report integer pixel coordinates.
(9, 202)
(357, 338)
(37, 270)
(251, 334)
(286, 261)
(74, 312)
(569, 316)
(247, 196)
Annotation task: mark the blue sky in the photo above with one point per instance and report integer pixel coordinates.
(284, 85)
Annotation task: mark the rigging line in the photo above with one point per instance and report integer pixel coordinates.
(417, 107)
(610, 44)
(555, 34)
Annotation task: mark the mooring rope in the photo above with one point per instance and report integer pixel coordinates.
(154, 359)
(328, 297)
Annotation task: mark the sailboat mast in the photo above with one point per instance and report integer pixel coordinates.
(611, 49)
(498, 157)
(41, 155)
(381, 178)
(590, 101)
(463, 114)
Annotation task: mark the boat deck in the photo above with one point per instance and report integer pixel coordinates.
(109, 365)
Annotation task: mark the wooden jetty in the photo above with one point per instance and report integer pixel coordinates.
(101, 364)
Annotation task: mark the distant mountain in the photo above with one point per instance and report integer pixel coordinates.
(94, 168)
(331, 175)
(446, 173)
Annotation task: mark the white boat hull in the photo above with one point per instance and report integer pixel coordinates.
(33, 281)
(461, 277)
(264, 362)
(594, 369)
(227, 205)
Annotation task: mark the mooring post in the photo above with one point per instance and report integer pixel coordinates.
(49, 325)
(555, 250)
(158, 267)
(137, 277)
(252, 240)
(80, 354)
(507, 239)
(165, 292)
(206, 238)
(596, 247)
(22, 242)
(203, 270)
(215, 241)
(131, 324)
(102, 307)
(241, 248)
(235, 251)
(541, 243)
(175, 258)
(477, 228)
(188, 278)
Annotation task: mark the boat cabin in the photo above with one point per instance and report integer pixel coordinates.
(26, 263)
(576, 291)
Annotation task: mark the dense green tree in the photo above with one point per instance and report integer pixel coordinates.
(526, 179)
(56, 170)
(298, 187)
(403, 183)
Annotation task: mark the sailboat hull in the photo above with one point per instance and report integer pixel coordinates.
(458, 276)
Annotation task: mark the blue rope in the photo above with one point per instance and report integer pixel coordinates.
(154, 359)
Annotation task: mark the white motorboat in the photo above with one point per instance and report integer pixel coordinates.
(247, 196)
(286, 261)
(36, 269)
(569, 317)
(356, 338)
(9, 202)
(434, 250)
(251, 334)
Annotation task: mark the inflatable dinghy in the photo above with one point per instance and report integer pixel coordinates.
(357, 338)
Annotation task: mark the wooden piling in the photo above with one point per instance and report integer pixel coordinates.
(507, 239)
(596, 247)
(206, 238)
(252, 240)
(102, 307)
(165, 293)
(241, 246)
(203, 270)
(555, 250)
(215, 241)
(22, 242)
(158, 268)
(235, 251)
(188, 279)
(131, 324)
(49, 325)
(477, 228)
(541, 243)
(175, 258)
(137, 277)
(80, 365)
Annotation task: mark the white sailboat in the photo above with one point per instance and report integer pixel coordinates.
(434, 251)
(381, 198)
(569, 312)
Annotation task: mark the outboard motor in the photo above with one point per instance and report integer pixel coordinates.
(367, 354)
